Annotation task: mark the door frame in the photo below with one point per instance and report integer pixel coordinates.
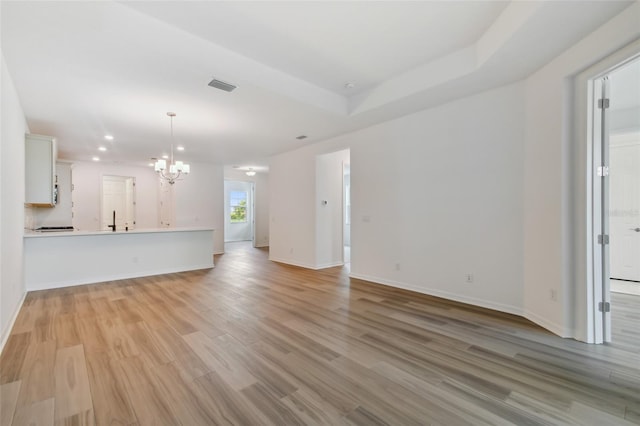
(251, 207)
(587, 209)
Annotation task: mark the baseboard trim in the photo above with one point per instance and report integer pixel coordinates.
(292, 263)
(7, 331)
(514, 310)
(551, 326)
(444, 294)
(305, 265)
(329, 265)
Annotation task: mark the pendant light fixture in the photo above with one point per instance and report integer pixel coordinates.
(176, 169)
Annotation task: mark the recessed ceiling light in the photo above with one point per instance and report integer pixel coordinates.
(180, 148)
(301, 137)
(95, 158)
(150, 164)
(349, 85)
(166, 157)
(102, 148)
(108, 137)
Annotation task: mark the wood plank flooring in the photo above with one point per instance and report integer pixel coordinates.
(253, 342)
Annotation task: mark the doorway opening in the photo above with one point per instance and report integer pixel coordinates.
(239, 208)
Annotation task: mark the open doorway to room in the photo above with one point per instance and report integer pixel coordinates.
(332, 224)
(239, 222)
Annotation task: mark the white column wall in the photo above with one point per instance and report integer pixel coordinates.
(292, 208)
(199, 201)
(12, 130)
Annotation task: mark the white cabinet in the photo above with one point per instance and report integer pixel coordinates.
(40, 171)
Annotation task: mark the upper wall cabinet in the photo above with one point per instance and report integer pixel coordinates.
(40, 171)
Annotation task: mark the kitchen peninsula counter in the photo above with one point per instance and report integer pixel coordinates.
(61, 259)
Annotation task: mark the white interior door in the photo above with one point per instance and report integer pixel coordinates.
(118, 195)
(624, 212)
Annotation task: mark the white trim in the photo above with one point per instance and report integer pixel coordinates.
(329, 265)
(515, 310)
(292, 263)
(115, 277)
(557, 329)
(7, 331)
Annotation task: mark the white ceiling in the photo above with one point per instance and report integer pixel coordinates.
(85, 69)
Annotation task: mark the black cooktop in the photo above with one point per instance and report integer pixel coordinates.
(54, 228)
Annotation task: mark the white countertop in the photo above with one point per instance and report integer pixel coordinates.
(40, 234)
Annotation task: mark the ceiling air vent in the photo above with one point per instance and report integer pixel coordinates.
(219, 84)
(301, 137)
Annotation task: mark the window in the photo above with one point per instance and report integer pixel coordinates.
(238, 206)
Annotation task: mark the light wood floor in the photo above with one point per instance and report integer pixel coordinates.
(253, 342)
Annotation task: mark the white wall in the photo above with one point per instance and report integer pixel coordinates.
(261, 182)
(437, 195)
(486, 185)
(329, 215)
(87, 192)
(199, 201)
(554, 179)
(12, 131)
(434, 195)
(239, 231)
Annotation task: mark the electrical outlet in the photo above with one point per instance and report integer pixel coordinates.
(468, 278)
(553, 294)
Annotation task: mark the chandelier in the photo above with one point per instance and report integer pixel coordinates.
(176, 169)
